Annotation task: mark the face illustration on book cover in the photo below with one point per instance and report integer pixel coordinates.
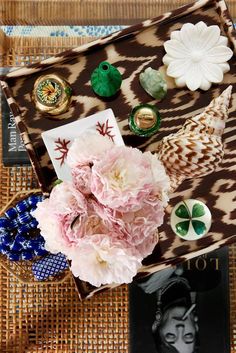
(180, 308)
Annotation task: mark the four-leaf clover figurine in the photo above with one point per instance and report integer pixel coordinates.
(190, 219)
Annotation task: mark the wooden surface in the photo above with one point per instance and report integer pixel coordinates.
(90, 12)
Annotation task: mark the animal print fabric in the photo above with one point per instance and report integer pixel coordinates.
(132, 50)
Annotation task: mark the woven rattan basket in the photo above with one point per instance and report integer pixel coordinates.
(22, 270)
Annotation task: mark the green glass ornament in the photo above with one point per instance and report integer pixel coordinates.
(190, 219)
(153, 83)
(106, 80)
(144, 120)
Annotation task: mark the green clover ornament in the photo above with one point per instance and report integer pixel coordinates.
(191, 219)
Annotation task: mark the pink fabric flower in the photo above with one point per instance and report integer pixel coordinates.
(100, 260)
(123, 179)
(88, 148)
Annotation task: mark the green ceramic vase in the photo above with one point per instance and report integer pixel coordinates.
(106, 80)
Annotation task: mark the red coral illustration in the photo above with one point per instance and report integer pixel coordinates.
(105, 130)
(63, 148)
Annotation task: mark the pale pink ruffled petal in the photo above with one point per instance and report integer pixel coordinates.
(99, 261)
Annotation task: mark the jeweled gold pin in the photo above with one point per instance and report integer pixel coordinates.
(51, 94)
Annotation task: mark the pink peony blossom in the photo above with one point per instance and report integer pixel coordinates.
(106, 219)
(56, 215)
(161, 181)
(65, 199)
(147, 246)
(100, 260)
(81, 177)
(123, 179)
(88, 148)
(135, 227)
(63, 221)
(54, 228)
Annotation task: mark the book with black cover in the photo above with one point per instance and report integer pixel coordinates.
(13, 149)
(183, 310)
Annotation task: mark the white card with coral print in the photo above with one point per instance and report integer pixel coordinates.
(59, 140)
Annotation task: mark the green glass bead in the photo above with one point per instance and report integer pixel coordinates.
(144, 120)
(153, 83)
(106, 80)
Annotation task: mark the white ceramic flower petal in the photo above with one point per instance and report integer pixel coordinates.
(224, 67)
(212, 72)
(180, 81)
(193, 78)
(175, 49)
(176, 68)
(201, 27)
(167, 59)
(197, 56)
(212, 36)
(205, 84)
(175, 35)
(201, 33)
(188, 34)
(223, 41)
(219, 54)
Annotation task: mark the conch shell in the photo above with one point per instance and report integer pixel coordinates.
(197, 148)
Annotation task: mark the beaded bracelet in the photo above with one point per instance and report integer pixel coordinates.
(20, 239)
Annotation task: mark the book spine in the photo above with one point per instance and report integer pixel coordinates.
(13, 149)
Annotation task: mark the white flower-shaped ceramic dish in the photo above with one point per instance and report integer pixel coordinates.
(197, 55)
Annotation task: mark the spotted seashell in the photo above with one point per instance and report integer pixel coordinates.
(196, 149)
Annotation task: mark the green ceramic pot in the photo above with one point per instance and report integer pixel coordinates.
(106, 80)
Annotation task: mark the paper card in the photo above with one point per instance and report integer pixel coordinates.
(59, 140)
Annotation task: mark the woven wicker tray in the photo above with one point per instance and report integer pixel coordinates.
(30, 322)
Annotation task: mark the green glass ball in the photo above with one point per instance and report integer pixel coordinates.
(106, 80)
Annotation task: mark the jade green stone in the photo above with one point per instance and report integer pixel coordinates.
(144, 120)
(106, 80)
(153, 83)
